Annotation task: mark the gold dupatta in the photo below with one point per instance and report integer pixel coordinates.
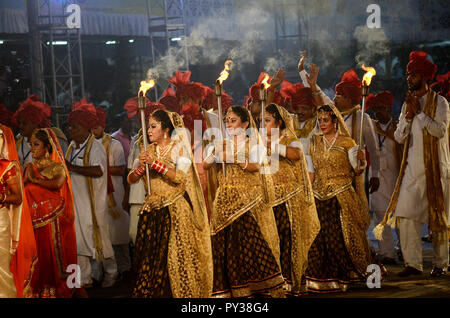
(301, 208)
(307, 129)
(436, 206)
(189, 256)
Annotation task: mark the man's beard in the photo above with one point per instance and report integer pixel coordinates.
(414, 87)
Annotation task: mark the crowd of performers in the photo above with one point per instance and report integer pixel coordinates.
(228, 224)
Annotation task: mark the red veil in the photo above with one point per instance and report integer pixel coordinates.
(54, 229)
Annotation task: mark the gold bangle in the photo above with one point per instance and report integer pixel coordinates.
(246, 165)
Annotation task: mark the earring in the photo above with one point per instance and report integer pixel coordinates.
(47, 155)
(165, 136)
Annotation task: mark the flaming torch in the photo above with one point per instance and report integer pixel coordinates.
(263, 97)
(367, 79)
(218, 90)
(145, 86)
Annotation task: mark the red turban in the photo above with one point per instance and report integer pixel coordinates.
(210, 100)
(419, 64)
(443, 81)
(83, 114)
(384, 98)
(132, 107)
(191, 112)
(34, 111)
(101, 116)
(350, 86)
(185, 88)
(5, 116)
(297, 94)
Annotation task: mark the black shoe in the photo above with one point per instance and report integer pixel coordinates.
(437, 272)
(408, 271)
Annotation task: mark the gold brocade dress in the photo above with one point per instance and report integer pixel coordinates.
(340, 253)
(296, 218)
(172, 255)
(245, 262)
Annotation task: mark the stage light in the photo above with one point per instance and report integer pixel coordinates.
(175, 39)
(58, 43)
(110, 42)
(131, 40)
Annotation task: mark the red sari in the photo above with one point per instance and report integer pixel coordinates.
(52, 214)
(23, 246)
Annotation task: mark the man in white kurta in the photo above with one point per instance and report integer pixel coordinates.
(91, 257)
(389, 157)
(413, 204)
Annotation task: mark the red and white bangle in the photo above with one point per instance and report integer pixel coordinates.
(160, 167)
(139, 171)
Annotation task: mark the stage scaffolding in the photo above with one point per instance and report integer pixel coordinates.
(166, 21)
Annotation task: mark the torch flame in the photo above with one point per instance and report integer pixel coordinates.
(224, 74)
(370, 72)
(145, 86)
(265, 81)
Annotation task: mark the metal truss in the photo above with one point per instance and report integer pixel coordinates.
(167, 29)
(58, 60)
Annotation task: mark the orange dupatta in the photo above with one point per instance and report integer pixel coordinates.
(23, 248)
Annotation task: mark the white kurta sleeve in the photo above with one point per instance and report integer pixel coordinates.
(403, 127)
(98, 156)
(327, 100)
(372, 146)
(437, 126)
(183, 164)
(308, 157)
(133, 154)
(116, 154)
(352, 157)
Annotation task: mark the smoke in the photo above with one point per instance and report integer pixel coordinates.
(372, 43)
(245, 34)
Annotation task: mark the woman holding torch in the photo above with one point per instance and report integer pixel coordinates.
(173, 246)
(244, 235)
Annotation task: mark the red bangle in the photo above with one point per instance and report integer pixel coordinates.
(159, 167)
(139, 171)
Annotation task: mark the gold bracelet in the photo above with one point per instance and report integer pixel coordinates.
(246, 165)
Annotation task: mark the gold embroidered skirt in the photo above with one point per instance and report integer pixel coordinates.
(330, 267)
(244, 265)
(284, 231)
(150, 255)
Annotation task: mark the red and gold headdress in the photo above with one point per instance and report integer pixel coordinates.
(34, 111)
(83, 114)
(350, 86)
(297, 94)
(419, 64)
(384, 98)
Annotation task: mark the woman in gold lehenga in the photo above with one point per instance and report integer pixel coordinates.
(340, 253)
(173, 245)
(244, 234)
(294, 207)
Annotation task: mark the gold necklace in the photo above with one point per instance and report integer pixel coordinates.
(161, 151)
(325, 142)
